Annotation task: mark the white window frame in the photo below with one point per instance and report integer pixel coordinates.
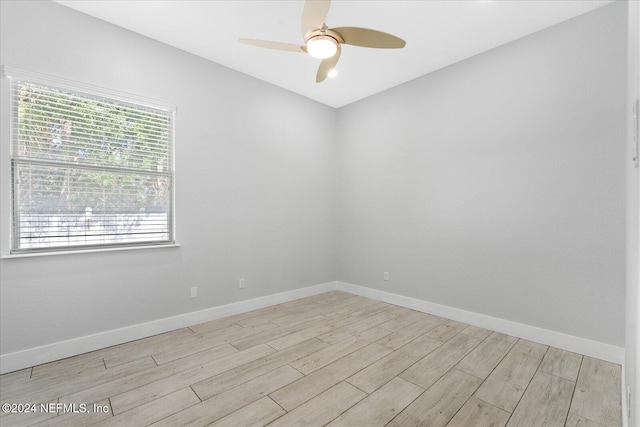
(7, 112)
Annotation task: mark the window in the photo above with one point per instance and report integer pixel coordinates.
(88, 170)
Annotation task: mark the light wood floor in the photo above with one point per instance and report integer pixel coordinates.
(333, 359)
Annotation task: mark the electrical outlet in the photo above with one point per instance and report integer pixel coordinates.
(194, 291)
(386, 276)
(241, 284)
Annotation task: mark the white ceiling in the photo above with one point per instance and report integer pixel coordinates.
(438, 33)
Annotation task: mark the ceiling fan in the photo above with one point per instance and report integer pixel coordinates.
(324, 43)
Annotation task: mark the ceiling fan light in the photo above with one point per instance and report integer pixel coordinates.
(322, 47)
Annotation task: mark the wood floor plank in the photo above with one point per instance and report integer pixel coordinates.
(323, 304)
(154, 410)
(14, 383)
(352, 306)
(577, 421)
(597, 395)
(103, 390)
(404, 319)
(230, 401)
(240, 318)
(408, 333)
(44, 390)
(252, 322)
(28, 386)
(447, 330)
(308, 333)
(381, 406)
(330, 354)
(322, 408)
(15, 378)
(67, 367)
(437, 406)
(486, 356)
(250, 370)
(301, 303)
(297, 393)
(205, 341)
(372, 310)
(561, 363)
(476, 332)
(401, 311)
(545, 402)
(356, 327)
(256, 414)
(129, 352)
(216, 325)
(146, 393)
(506, 384)
(295, 314)
(478, 413)
(384, 370)
(430, 368)
(333, 297)
(266, 336)
(294, 318)
(285, 316)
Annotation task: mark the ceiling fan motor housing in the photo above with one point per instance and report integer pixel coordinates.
(322, 43)
(324, 32)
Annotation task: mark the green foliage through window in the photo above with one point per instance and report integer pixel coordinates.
(88, 170)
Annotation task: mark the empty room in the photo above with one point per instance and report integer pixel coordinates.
(310, 213)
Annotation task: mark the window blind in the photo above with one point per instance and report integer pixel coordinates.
(88, 170)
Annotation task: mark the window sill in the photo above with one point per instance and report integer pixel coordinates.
(88, 251)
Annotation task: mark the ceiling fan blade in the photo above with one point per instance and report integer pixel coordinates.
(274, 45)
(365, 37)
(314, 14)
(327, 65)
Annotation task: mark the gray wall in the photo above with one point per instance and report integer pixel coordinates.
(255, 180)
(497, 185)
(633, 218)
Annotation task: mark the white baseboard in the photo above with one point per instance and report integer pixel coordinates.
(60, 350)
(598, 350)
